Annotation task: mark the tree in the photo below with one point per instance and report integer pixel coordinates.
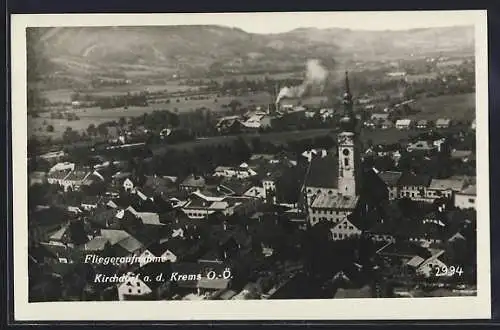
(122, 121)
(103, 130)
(50, 128)
(91, 130)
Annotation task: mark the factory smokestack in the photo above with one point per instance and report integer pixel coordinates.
(316, 75)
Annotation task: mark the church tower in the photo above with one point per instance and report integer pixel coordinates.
(349, 181)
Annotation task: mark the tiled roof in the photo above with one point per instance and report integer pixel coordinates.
(239, 187)
(390, 178)
(334, 201)
(410, 179)
(470, 190)
(323, 172)
(445, 184)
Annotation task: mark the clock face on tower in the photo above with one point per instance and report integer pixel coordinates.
(345, 152)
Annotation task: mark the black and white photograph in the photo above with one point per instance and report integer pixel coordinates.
(323, 165)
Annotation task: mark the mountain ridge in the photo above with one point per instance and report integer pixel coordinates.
(78, 52)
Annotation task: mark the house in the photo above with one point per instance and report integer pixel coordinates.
(147, 218)
(345, 228)
(128, 185)
(391, 180)
(403, 123)
(333, 208)
(443, 123)
(413, 186)
(37, 178)
(243, 171)
(422, 124)
(192, 183)
(134, 286)
(120, 242)
(57, 177)
(444, 188)
(421, 146)
(466, 198)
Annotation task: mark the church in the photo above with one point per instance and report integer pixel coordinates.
(337, 190)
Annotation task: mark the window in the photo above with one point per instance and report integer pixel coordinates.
(138, 290)
(334, 235)
(129, 290)
(471, 200)
(351, 227)
(346, 161)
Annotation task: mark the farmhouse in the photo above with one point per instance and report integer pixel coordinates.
(403, 123)
(443, 123)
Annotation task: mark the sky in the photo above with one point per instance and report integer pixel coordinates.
(274, 22)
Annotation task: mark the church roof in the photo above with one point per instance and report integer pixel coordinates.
(323, 172)
(334, 201)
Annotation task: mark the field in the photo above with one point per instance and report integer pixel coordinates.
(455, 107)
(377, 136)
(63, 95)
(36, 126)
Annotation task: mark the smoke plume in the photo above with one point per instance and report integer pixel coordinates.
(316, 75)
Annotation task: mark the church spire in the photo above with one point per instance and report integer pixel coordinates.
(348, 122)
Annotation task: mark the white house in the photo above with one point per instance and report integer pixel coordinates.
(128, 185)
(403, 123)
(466, 198)
(344, 229)
(133, 286)
(241, 172)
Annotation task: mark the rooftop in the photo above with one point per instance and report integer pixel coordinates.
(334, 201)
(77, 175)
(470, 190)
(323, 172)
(390, 178)
(447, 184)
(411, 179)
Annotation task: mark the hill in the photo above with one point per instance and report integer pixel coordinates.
(83, 53)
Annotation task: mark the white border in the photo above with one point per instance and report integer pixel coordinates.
(478, 307)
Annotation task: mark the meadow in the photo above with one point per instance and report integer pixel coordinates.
(456, 107)
(96, 116)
